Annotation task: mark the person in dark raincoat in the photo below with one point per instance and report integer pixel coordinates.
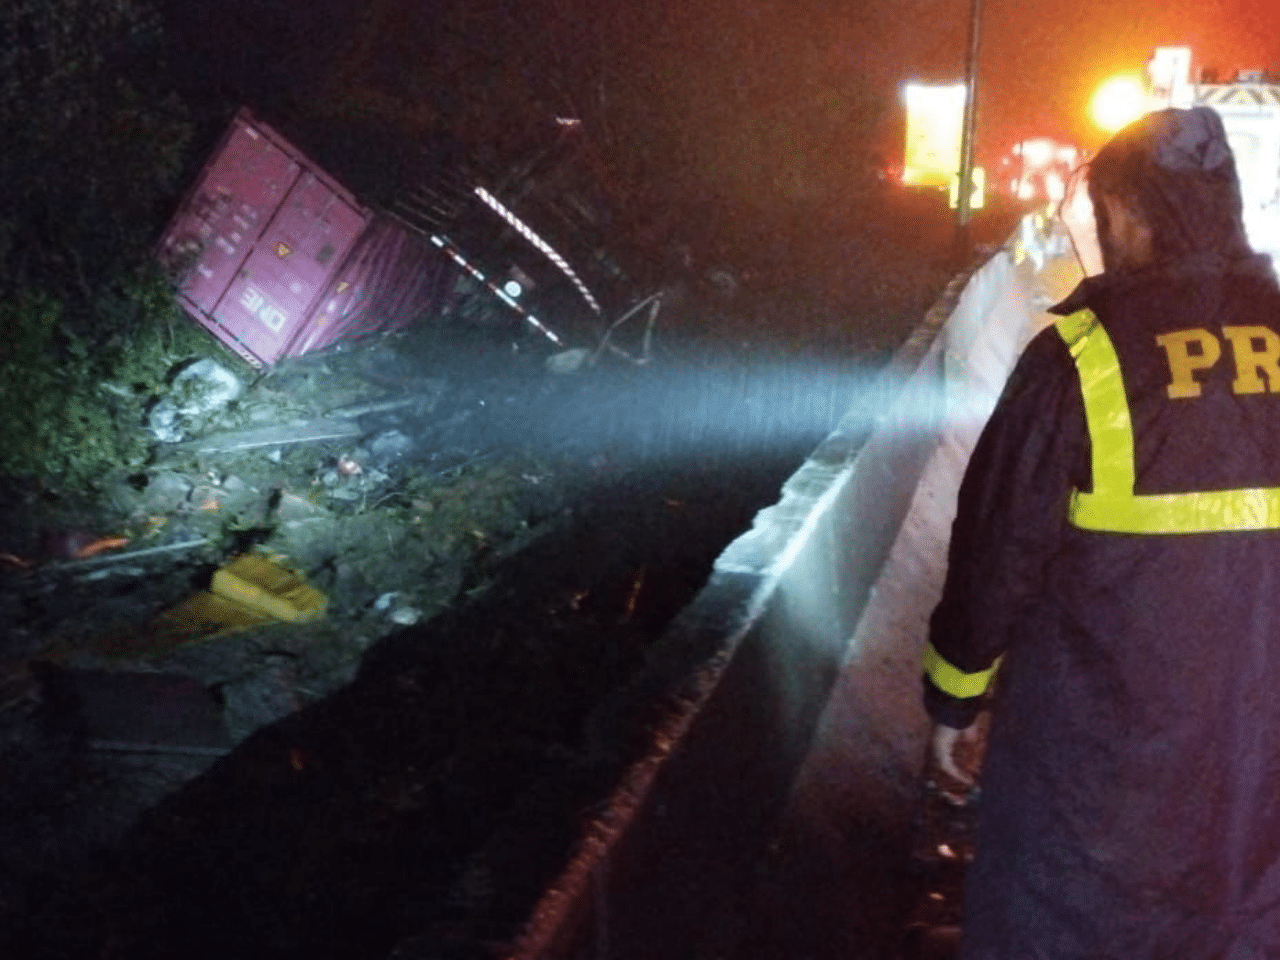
(1113, 589)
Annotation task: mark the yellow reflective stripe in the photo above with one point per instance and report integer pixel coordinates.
(1075, 327)
(1113, 507)
(954, 681)
(1106, 409)
(1203, 512)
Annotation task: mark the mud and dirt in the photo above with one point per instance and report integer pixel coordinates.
(499, 544)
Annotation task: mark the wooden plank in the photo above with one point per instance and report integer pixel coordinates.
(328, 428)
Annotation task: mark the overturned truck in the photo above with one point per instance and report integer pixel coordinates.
(277, 259)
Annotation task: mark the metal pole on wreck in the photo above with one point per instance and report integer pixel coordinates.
(964, 190)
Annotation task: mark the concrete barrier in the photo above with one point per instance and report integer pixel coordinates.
(679, 861)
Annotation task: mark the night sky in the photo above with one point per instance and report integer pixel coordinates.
(1040, 60)
(791, 101)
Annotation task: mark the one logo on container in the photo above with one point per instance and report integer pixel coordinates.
(256, 302)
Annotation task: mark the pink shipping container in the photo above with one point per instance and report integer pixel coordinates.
(276, 258)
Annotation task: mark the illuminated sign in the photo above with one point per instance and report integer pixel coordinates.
(935, 124)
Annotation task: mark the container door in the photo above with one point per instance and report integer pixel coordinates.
(235, 201)
(273, 293)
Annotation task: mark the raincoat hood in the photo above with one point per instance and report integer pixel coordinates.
(1175, 169)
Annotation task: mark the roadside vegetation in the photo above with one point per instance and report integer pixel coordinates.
(94, 148)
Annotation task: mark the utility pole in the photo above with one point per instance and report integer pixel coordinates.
(963, 207)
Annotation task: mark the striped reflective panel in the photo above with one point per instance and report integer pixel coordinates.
(1113, 506)
(1238, 94)
(954, 681)
(526, 231)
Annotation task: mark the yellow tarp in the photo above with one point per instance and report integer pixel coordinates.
(250, 591)
(268, 588)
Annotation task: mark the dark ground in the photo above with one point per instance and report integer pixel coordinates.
(382, 793)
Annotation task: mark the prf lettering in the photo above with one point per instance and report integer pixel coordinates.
(1256, 351)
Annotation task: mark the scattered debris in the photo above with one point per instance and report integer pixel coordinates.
(64, 545)
(396, 611)
(653, 303)
(77, 544)
(162, 491)
(94, 560)
(197, 391)
(257, 437)
(568, 361)
(405, 616)
(132, 711)
(389, 446)
(380, 406)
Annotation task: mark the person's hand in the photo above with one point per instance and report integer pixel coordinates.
(958, 752)
(1076, 214)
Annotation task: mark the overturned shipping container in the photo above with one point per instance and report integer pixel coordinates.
(276, 258)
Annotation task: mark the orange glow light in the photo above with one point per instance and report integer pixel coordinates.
(1117, 103)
